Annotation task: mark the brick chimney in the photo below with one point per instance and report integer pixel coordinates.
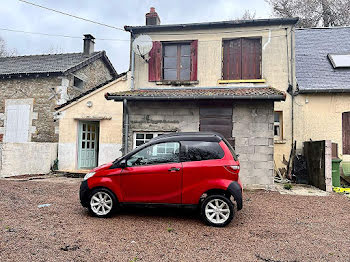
(89, 44)
(152, 17)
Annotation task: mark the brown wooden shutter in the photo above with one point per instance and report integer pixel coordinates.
(232, 59)
(251, 58)
(194, 59)
(346, 132)
(155, 62)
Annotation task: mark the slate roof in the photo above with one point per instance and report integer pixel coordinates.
(199, 93)
(314, 71)
(51, 63)
(212, 25)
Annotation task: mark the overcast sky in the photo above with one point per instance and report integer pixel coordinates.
(20, 16)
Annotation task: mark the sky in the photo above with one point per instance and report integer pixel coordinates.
(17, 15)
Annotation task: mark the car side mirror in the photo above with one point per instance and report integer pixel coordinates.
(122, 164)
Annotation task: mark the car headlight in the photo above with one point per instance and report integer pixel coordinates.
(88, 175)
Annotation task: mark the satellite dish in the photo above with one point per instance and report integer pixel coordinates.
(142, 45)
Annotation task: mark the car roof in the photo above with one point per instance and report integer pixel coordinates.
(188, 136)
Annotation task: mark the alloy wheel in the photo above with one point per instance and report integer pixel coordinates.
(217, 211)
(101, 203)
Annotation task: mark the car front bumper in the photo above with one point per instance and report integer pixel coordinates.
(84, 193)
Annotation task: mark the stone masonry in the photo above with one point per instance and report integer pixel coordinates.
(252, 129)
(47, 92)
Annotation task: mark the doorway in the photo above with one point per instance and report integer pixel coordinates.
(88, 144)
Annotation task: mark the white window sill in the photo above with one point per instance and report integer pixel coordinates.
(177, 82)
(276, 141)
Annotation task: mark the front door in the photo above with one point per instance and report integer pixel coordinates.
(153, 175)
(88, 144)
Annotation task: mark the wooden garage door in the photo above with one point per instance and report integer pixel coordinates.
(216, 118)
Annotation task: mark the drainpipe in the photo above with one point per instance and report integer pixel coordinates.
(292, 78)
(132, 61)
(126, 125)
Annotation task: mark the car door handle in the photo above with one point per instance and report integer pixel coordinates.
(174, 169)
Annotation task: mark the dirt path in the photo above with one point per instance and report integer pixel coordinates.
(271, 227)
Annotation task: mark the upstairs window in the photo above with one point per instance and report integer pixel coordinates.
(173, 61)
(177, 61)
(241, 59)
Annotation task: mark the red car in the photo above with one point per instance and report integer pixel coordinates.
(177, 169)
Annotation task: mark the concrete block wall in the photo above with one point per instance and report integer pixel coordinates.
(253, 132)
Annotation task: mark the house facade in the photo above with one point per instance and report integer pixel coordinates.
(229, 77)
(30, 89)
(322, 100)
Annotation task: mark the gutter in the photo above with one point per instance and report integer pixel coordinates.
(155, 98)
(324, 91)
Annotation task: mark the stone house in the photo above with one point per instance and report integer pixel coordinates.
(227, 77)
(322, 98)
(30, 89)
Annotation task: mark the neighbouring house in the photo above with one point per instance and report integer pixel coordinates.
(322, 100)
(227, 77)
(90, 127)
(30, 89)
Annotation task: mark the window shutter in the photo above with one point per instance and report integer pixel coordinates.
(232, 59)
(194, 60)
(155, 62)
(251, 57)
(346, 132)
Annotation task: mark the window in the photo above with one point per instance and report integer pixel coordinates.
(156, 154)
(200, 150)
(277, 125)
(143, 137)
(242, 59)
(78, 83)
(346, 133)
(177, 61)
(337, 61)
(173, 61)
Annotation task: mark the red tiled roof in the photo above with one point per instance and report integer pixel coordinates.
(199, 93)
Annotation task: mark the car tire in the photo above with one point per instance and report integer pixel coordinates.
(102, 202)
(217, 210)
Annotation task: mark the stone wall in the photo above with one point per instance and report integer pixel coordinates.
(92, 75)
(47, 92)
(252, 129)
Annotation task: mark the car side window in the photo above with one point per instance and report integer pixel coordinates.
(200, 150)
(156, 154)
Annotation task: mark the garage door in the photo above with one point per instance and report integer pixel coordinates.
(17, 123)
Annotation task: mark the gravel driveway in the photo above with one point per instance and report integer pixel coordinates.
(271, 227)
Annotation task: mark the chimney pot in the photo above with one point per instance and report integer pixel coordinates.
(152, 17)
(89, 44)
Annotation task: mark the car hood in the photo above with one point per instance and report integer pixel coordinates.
(102, 167)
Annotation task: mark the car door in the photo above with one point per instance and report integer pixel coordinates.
(153, 175)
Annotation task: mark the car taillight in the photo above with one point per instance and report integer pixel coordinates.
(232, 169)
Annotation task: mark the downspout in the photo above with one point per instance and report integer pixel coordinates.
(132, 62)
(292, 78)
(126, 125)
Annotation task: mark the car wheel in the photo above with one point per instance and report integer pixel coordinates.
(102, 202)
(217, 210)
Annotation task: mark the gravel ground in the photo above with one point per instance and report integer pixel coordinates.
(271, 227)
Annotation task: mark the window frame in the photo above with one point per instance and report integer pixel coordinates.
(155, 134)
(81, 83)
(280, 124)
(241, 64)
(178, 44)
(154, 164)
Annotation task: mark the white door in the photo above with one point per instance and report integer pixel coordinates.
(17, 123)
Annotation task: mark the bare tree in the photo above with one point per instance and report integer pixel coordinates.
(247, 15)
(313, 13)
(4, 51)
